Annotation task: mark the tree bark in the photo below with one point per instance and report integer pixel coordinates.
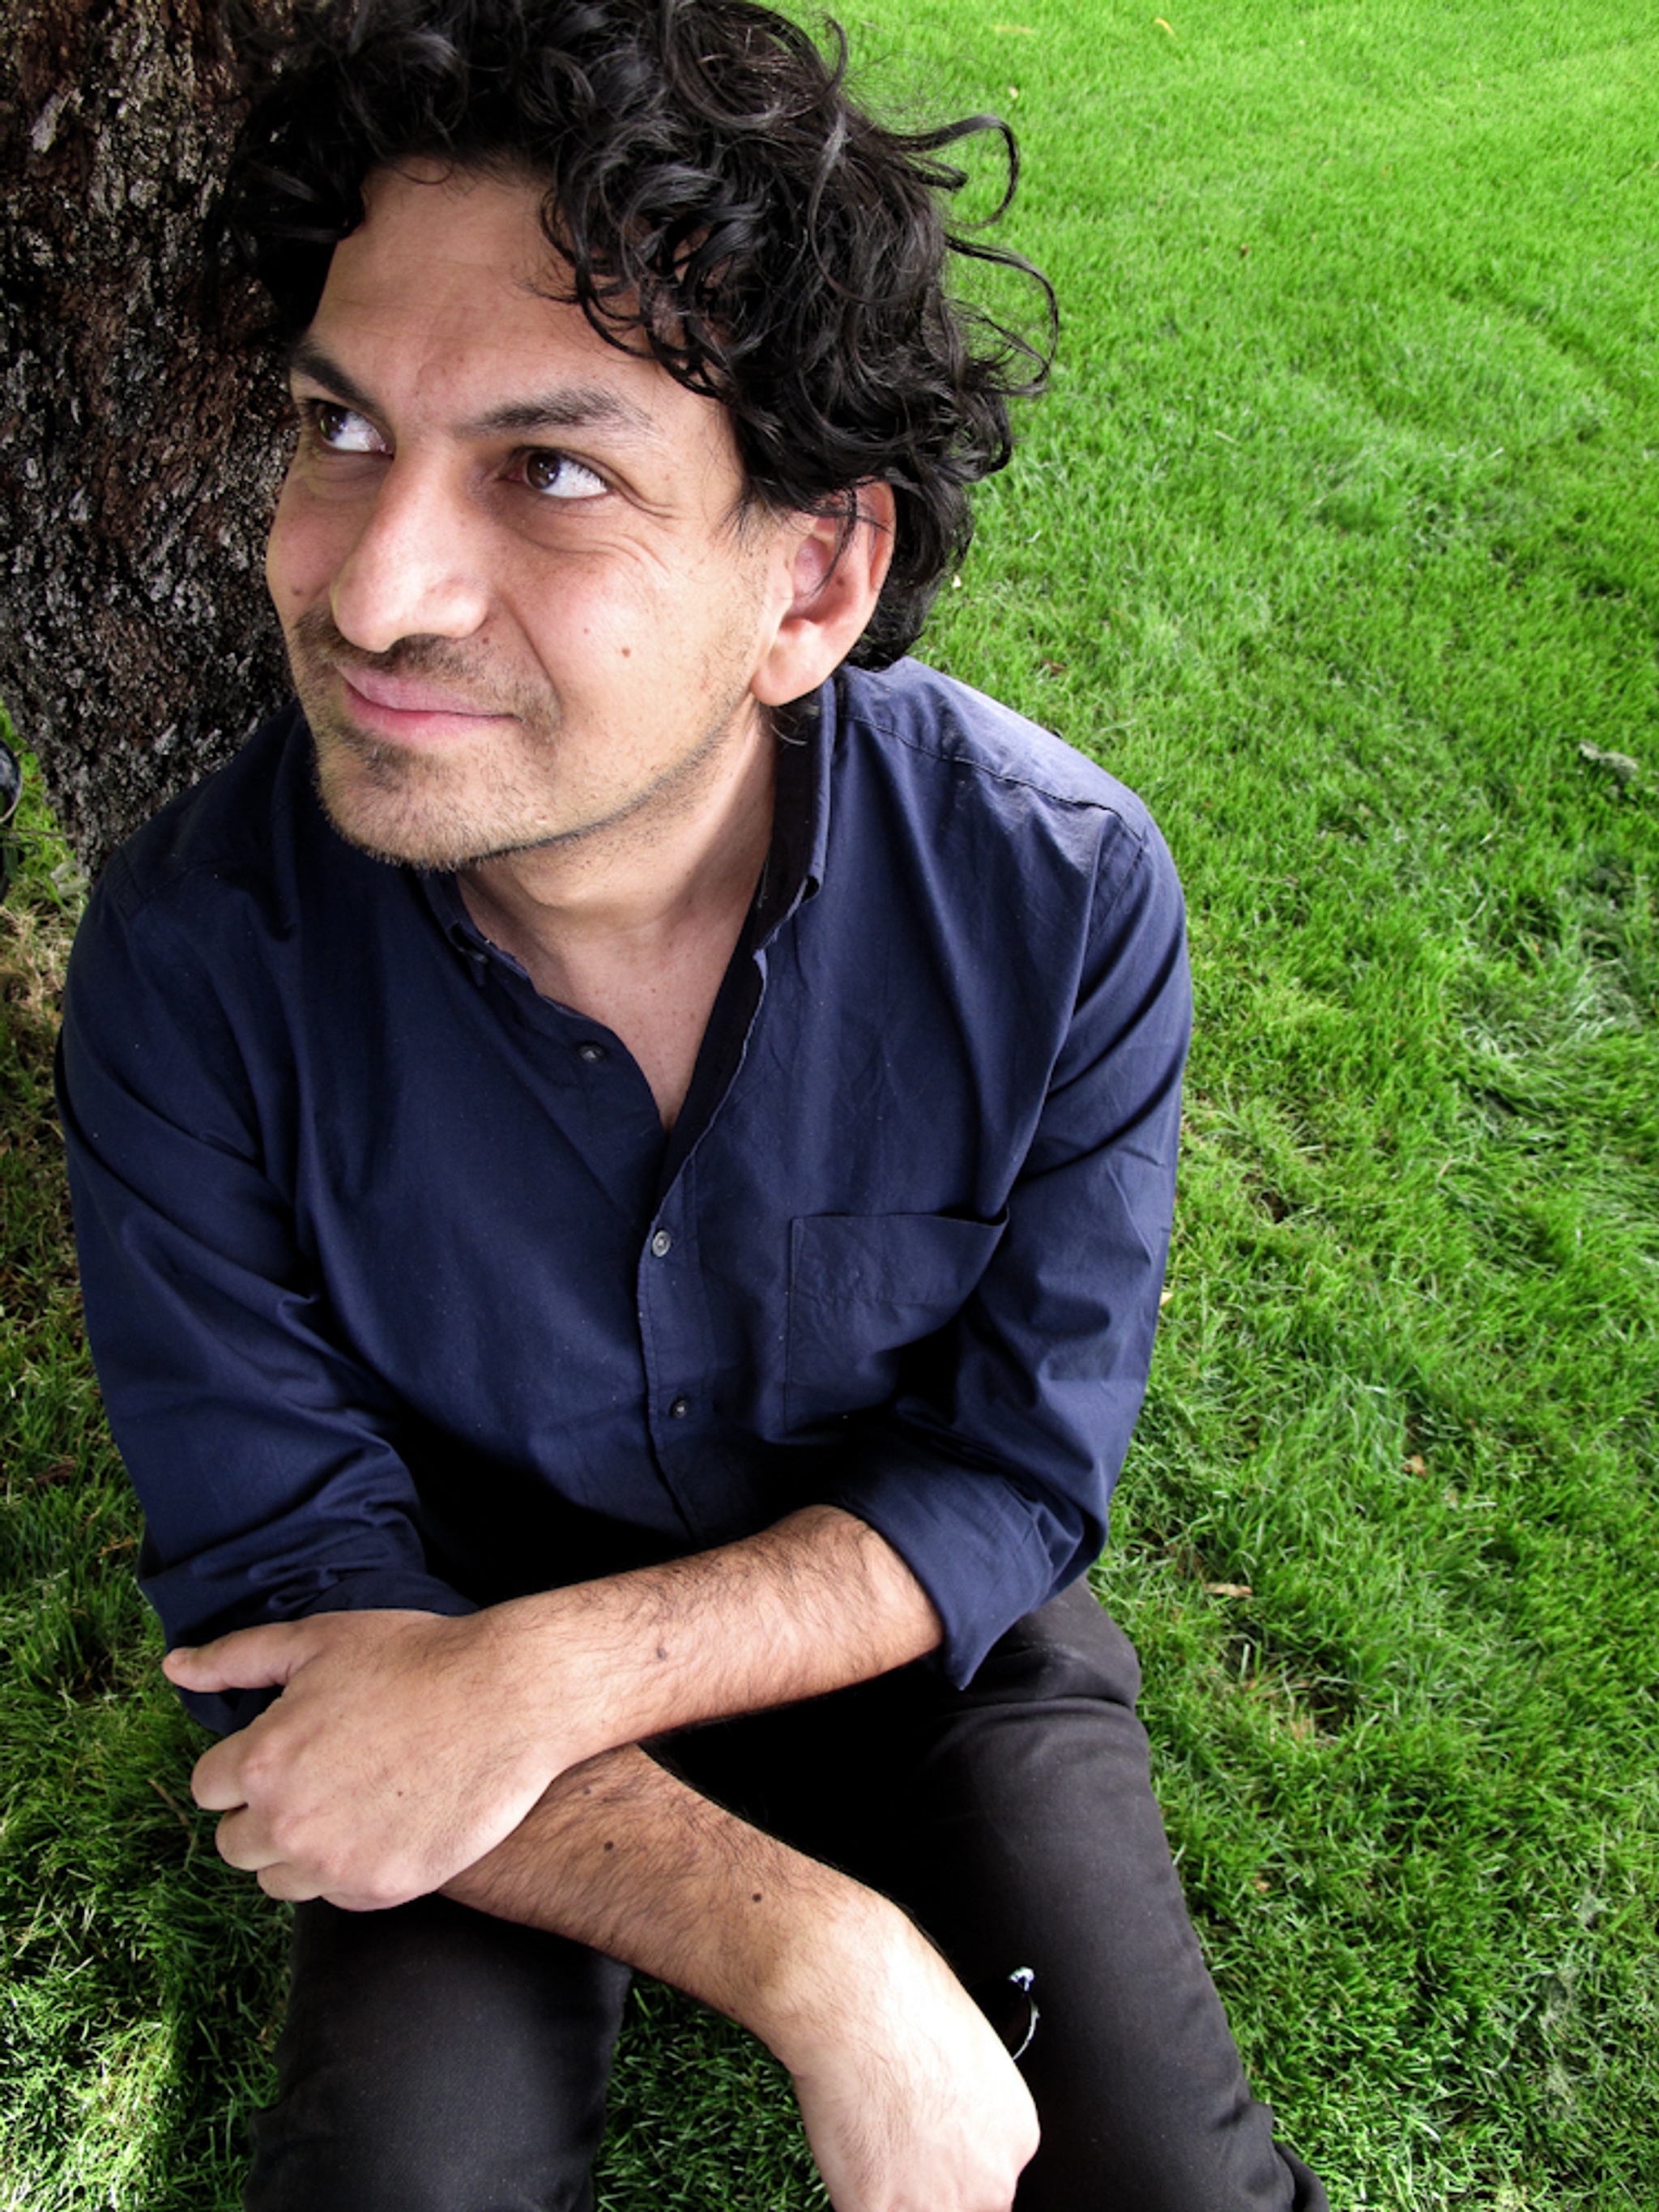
(139, 446)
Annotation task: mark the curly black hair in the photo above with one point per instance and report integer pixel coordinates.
(716, 198)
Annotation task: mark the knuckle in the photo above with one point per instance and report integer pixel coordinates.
(253, 1780)
(277, 1812)
(258, 1760)
(381, 1890)
(286, 1835)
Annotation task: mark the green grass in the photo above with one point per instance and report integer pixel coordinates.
(1335, 539)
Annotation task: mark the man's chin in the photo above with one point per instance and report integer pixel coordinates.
(398, 807)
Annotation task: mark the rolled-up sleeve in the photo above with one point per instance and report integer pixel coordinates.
(990, 1470)
(261, 1450)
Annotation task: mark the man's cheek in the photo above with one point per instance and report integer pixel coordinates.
(310, 537)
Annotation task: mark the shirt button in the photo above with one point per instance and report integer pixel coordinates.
(679, 1409)
(662, 1244)
(591, 1052)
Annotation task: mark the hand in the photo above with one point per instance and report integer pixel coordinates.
(394, 1756)
(910, 2102)
(406, 1746)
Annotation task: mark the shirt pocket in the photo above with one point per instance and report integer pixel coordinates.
(863, 1288)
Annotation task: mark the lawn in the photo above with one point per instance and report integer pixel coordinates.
(1336, 539)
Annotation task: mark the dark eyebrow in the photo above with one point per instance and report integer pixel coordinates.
(305, 359)
(576, 407)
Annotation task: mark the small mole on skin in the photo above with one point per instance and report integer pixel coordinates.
(662, 1652)
(755, 1898)
(610, 1847)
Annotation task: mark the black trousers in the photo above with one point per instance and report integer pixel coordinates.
(435, 2060)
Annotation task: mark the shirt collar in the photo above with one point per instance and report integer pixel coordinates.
(800, 813)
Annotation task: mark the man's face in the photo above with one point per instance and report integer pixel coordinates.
(517, 600)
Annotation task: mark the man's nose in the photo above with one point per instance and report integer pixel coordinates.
(416, 569)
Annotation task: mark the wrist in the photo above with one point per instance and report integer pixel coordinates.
(833, 1975)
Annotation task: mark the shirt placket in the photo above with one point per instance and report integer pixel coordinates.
(676, 1346)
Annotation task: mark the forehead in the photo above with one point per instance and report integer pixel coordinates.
(444, 301)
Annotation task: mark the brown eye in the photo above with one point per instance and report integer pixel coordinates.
(344, 431)
(555, 476)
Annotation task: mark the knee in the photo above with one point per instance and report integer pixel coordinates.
(1159, 2161)
(435, 2062)
(432, 2145)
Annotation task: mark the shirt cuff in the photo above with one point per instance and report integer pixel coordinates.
(986, 1549)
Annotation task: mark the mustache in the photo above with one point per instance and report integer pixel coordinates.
(470, 671)
(440, 658)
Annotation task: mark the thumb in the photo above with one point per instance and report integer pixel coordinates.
(248, 1659)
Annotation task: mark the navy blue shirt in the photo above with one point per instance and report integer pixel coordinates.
(400, 1295)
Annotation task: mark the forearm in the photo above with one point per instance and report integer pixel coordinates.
(815, 1602)
(621, 1855)
(406, 1745)
(907, 2094)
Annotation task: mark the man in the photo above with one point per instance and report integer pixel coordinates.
(628, 1316)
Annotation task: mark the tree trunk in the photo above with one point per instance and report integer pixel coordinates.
(139, 449)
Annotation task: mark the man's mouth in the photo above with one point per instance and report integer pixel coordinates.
(407, 709)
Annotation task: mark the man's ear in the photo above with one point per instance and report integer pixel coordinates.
(836, 570)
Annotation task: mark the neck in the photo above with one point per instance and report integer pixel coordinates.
(643, 877)
(636, 931)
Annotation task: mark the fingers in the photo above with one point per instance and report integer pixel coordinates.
(290, 1886)
(217, 1781)
(247, 1659)
(237, 1845)
(242, 1843)
(360, 1777)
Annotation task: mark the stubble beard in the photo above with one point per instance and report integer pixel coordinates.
(432, 811)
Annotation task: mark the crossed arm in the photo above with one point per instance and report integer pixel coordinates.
(496, 1757)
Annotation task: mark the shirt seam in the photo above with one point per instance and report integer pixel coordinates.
(913, 743)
